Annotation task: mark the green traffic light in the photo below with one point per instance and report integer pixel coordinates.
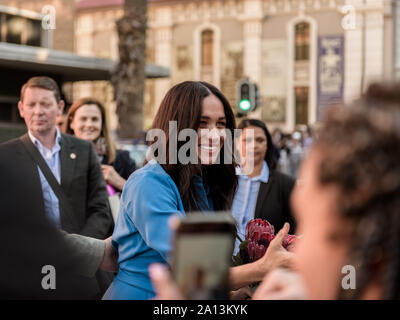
(245, 105)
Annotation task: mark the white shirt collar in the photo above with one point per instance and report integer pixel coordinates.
(40, 146)
(263, 177)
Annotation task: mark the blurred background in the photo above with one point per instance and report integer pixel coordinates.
(290, 59)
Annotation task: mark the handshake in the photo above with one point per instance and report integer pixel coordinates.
(274, 271)
(279, 281)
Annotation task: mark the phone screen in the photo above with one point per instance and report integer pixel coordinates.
(202, 257)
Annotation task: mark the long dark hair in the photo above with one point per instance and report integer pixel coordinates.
(183, 104)
(269, 155)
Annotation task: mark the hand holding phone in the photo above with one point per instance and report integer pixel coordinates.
(202, 255)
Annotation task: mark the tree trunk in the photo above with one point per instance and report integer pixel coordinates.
(128, 78)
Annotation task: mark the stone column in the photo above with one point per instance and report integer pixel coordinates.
(364, 43)
(163, 50)
(252, 35)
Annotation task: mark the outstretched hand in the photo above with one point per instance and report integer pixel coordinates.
(110, 258)
(163, 284)
(276, 255)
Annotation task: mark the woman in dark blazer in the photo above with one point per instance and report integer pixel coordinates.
(262, 191)
(86, 119)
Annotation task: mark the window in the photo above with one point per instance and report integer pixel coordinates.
(20, 30)
(15, 25)
(302, 42)
(207, 41)
(301, 94)
(5, 112)
(207, 51)
(34, 30)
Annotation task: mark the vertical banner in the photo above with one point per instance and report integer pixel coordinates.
(330, 72)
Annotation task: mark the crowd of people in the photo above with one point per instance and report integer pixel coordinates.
(343, 207)
(291, 148)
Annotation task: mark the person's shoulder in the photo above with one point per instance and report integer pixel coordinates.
(286, 179)
(151, 184)
(10, 144)
(122, 153)
(10, 151)
(152, 169)
(123, 156)
(7, 148)
(152, 176)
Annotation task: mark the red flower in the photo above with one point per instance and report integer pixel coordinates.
(259, 233)
(256, 251)
(257, 229)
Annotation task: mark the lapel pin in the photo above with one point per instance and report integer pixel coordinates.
(72, 156)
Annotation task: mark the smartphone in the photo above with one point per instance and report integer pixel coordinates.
(202, 254)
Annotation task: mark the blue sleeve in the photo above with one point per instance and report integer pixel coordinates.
(154, 201)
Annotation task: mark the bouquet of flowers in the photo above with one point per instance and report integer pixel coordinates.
(259, 234)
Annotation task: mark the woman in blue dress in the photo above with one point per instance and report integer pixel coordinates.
(172, 185)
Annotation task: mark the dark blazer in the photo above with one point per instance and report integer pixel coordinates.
(123, 163)
(273, 201)
(28, 242)
(81, 180)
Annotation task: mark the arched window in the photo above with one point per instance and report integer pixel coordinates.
(301, 106)
(207, 48)
(207, 52)
(302, 41)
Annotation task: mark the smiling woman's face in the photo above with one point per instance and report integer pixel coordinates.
(87, 122)
(322, 250)
(211, 132)
(252, 145)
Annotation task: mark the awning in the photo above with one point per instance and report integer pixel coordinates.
(70, 66)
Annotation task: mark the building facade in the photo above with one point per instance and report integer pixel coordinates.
(37, 37)
(59, 37)
(396, 40)
(303, 54)
(21, 28)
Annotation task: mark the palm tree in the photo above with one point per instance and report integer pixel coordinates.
(128, 77)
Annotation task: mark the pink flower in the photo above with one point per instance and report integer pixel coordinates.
(289, 241)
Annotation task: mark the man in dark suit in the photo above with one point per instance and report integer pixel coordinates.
(29, 242)
(73, 162)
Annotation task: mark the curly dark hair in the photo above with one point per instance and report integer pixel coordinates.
(359, 148)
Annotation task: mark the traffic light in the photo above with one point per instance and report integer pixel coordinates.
(247, 96)
(256, 96)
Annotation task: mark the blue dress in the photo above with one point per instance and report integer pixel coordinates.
(142, 235)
